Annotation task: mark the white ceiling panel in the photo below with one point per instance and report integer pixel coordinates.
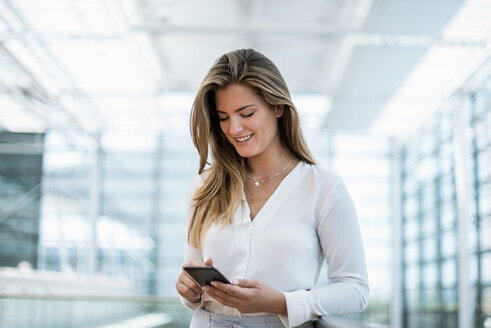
(186, 59)
(316, 58)
(372, 76)
(69, 17)
(109, 64)
(410, 17)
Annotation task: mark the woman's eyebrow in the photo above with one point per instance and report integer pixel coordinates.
(237, 110)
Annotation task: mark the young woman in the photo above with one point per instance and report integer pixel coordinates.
(262, 211)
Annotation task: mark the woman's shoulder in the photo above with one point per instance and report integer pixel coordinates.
(327, 186)
(317, 174)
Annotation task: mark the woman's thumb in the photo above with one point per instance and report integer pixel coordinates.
(209, 262)
(246, 283)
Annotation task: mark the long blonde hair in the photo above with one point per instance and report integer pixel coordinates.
(220, 195)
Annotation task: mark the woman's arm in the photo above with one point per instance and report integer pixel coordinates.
(341, 242)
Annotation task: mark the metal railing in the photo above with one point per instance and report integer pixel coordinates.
(335, 322)
(44, 299)
(23, 310)
(170, 312)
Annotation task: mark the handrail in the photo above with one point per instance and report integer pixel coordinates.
(90, 297)
(323, 322)
(336, 322)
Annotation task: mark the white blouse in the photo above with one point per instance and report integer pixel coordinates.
(310, 217)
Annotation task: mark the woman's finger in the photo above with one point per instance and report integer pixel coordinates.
(229, 289)
(221, 297)
(187, 293)
(223, 294)
(247, 283)
(189, 282)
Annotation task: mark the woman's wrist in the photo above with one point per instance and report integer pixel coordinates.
(279, 304)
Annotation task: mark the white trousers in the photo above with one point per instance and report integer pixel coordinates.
(205, 319)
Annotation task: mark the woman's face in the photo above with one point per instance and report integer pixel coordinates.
(247, 120)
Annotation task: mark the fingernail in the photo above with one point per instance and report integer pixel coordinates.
(214, 284)
(235, 282)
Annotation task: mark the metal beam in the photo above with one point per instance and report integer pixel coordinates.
(397, 235)
(462, 181)
(254, 31)
(48, 100)
(95, 206)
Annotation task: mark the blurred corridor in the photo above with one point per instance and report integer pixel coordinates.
(96, 158)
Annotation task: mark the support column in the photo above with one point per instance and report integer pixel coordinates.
(154, 230)
(462, 181)
(397, 283)
(94, 205)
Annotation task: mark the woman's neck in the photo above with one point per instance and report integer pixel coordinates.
(269, 163)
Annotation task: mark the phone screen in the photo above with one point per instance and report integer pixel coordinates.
(203, 275)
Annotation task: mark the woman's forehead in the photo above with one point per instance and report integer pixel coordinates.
(235, 97)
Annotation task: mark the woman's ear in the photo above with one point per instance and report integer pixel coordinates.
(280, 110)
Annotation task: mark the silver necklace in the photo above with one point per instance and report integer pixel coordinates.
(257, 183)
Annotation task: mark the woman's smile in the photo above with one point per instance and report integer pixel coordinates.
(242, 140)
(247, 121)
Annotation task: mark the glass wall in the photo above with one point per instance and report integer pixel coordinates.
(64, 240)
(20, 189)
(436, 255)
(481, 211)
(179, 166)
(133, 195)
(430, 227)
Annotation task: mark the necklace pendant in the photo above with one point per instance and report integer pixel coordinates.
(257, 183)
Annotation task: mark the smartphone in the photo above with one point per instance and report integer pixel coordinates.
(203, 275)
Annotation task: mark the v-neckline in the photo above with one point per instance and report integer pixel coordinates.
(271, 197)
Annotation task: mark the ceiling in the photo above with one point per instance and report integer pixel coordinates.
(96, 65)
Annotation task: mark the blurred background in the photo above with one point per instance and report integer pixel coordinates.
(96, 157)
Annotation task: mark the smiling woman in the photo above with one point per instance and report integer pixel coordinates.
(247, 120)
(263, 212)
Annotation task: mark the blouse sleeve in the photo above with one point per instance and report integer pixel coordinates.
(191, 253)
(341, 242)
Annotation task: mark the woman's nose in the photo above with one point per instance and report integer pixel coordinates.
(235, 126)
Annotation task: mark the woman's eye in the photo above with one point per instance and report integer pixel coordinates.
(222, 119)
(248, 115)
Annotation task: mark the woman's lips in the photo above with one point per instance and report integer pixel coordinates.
(244, 139)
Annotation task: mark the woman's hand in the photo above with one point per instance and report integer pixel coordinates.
(248, 296)
(186, 286)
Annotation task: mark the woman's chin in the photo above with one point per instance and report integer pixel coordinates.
(245, 153)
